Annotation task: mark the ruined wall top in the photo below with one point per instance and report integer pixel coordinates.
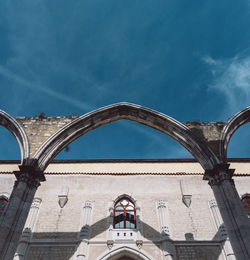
(41, 138)
(39, 128)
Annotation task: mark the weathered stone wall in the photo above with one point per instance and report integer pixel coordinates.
(198, 252)
(50, 252)
(39, 129)
(192, 229)
(208, 131)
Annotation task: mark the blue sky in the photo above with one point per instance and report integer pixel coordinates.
(187, 59)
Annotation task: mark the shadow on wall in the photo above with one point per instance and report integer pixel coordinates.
(65, 244)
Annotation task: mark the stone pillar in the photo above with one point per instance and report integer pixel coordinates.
(28, 229)
(85, 232)
(231, 209)
(14, 217)
(167, 244)
(227, 248)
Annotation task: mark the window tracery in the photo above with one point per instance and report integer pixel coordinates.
(3, 204)
(124, 214)
(246, 203)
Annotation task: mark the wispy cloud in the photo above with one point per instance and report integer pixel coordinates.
(34, 86)
(231, 77)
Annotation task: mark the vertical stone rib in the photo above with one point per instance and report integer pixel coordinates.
(227, 248)
(28, 229)
(85, 232)
(168, 248)
(162, 208)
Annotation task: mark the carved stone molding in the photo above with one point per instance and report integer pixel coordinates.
(186, 193)
(186, 199)
(87, 204)
(226, 245)
(63, 196)
(110, 244)
(28, 229)
(218, 178)
(29, 174)
(36, 203)
(218, 219)
(82, 249)
(31, 180)
(161, 204)
(139, 243)
(162, 212)
(219, 174)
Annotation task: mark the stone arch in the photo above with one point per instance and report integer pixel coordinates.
(15, 128)
(178, 131)
(5, 195)
(125, 196)
(116, 253)
(232, 125)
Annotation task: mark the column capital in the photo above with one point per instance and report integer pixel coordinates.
(36, 202)
(161, 204)
(32, 179)
(87, 204)
(218, 174)
(33, 170)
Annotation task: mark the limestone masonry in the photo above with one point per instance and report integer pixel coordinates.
(124, 209)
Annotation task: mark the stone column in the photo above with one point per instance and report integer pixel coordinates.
(14, 217)
(85, 232)
(231, 209)
(28, 229)
(227, 248)
(167, 244)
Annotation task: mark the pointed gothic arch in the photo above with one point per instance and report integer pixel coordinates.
(125, 196)
(235, 122)
(119, 252)
(15, 128)
(4, 198)
(83, 124)
(124, 212)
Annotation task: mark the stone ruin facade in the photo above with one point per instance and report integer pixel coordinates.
(42, 138)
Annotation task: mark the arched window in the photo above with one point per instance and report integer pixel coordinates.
(124, 214)
(246, 203)
(3, 203)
